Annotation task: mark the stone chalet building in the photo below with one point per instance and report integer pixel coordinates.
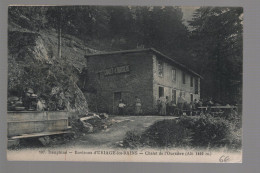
(145, 73)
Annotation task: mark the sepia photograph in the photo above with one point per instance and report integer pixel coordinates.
(125, 83)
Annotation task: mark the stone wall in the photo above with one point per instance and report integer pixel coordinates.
(136, 82)
(169, 84)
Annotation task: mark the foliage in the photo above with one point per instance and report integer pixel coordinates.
(216, 41)
(166, 133)
(120, 27)
(202, 131)
(34, 66)
(212, 46)
(174, 135)
(132, 139)
(29, 17)
(209, 131)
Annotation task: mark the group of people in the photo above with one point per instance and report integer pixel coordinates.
(167, 107)
(122, 107)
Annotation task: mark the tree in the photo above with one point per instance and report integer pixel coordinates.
(217, 47)
(163, 29)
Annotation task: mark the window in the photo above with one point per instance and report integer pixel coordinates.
(196, 86)
(183, 78)
(160, 68)
(173, 74)
(191, 81)
(161, 92)
(191, 97)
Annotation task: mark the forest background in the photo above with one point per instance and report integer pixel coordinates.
(211, 43)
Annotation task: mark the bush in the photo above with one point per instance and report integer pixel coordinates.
(132, 140)
(202, 131)
(234, 118)
(166, 133)
(208, 131)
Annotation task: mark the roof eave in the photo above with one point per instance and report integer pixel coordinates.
(146, 50)
(175, 62)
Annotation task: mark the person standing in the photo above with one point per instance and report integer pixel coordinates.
(200, 103)
(172, 107)
(40, 105)
(191, 107)
(121, 107)
(159, 106)
(181, 103)
(196, 104)
(138, 106)
(163, 106)
(167, 102)
(27, 99)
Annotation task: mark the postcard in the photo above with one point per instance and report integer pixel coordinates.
(125, 84)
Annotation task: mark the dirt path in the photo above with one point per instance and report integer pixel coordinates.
(116, 132)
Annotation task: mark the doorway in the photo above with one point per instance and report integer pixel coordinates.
(174, 96)
(116, 98)
(161, 92)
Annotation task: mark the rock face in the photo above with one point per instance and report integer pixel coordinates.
(33, 62)
(24, 45)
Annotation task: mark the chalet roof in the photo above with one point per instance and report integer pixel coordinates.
(147, 50)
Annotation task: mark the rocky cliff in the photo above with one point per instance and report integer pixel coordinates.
(33, 62)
